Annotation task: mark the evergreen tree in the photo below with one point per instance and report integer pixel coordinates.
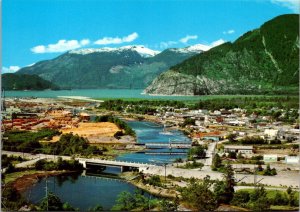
(217, 162)
(199, 196)
(259, 200)
(224, 190)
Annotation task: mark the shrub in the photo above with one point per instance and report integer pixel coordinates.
(232, 155)
(154, 180)
(240, 198)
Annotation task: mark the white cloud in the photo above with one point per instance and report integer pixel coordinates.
(85, 42)
(10, 69)
(164, 45)
(130, 37)
(231, 31)
(293, 5)
(187, 38)
(117, 40)
(60, 46)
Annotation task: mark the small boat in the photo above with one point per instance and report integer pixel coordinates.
(165, 132)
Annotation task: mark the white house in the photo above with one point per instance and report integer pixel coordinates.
(292, 159)
(270, 134)
(270, 158)
(239, 149)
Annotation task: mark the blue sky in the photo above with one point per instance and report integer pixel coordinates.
(35, 30)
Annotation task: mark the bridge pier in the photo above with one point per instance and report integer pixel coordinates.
(83, 163)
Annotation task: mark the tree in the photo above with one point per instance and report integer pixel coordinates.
(259, 200)
(292, 197)
(280, 199)
(199, 196)
(216, 163)
(96, 208)
(11, 200)
(125, 202)
(10, 168)
(154, 180)
(240, 198)
(51, 203)
(198, 152)
(68, 207)
(167, 205)
(232, 137)
(239, 156)
(232, 155)
(224, 190)
(270, 172)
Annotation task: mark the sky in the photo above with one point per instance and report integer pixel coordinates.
(35, 30)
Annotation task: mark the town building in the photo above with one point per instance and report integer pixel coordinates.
(238, 149)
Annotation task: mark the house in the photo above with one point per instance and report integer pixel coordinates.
(7, 114)
(292, 159)
(239, 149)
(214, 136)
(270, 134)
(84, 116)
(270, 158)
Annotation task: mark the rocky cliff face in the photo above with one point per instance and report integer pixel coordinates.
(174, 83)
(262, 61)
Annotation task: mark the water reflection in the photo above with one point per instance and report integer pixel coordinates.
(82, 191)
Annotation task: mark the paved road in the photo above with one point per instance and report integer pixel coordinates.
(33, 158)
(288, 178)
(210, 153)
(284, 178)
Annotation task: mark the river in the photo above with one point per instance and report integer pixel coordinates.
(151, 132)
(80, 191)
(84, 192)
(96, 93)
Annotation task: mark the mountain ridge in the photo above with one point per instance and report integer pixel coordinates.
(264, 60)
(124, 67)
(12, 81)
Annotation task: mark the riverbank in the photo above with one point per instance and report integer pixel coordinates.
(25, 179)
(133, 179)
(153, 119)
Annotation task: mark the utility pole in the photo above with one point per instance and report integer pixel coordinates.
(165, 164)
(47, 204)
(255, 176)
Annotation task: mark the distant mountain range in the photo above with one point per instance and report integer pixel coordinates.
(25, 82)
(124, 67)
(262, 61)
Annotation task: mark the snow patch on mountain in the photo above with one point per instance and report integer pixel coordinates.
(142, 50)
(198, 48)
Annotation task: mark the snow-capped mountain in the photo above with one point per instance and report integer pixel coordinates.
(124, 67)
(198, 48)
(142, 50)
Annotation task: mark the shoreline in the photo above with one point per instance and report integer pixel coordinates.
(22, 183)
(83, 98)
(160, 192)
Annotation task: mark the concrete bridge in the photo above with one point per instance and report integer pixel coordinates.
(171, 145)
(123, 165)
(86, 162)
